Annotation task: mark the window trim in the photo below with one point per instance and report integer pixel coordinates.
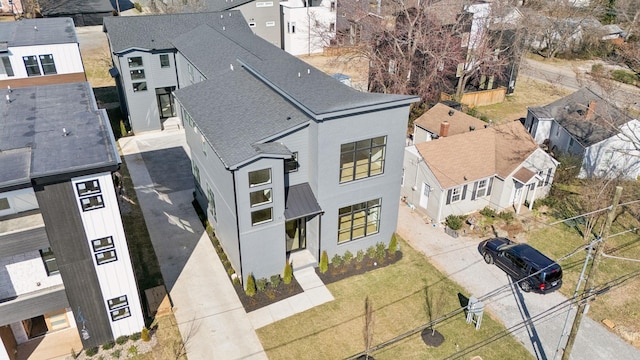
(139, 86)
(294, 161)
(262, 183)
(269, 197)
(353, 149)
(131, 62)
(456, 191)
(94, 189)
(164, 61)
(115, 309)
(52, 64)
(8, 68)
(32, 66)
(137, 74)
(102, 247)
(100, 260)
(100, 204)
(256, 223)
(51, 259)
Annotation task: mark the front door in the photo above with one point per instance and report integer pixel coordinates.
(165, 105)
(295, 234)
(424, 196)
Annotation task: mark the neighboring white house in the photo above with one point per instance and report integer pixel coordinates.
(307, 25)
(443, 121)
(500, 167)
(585, 125)
(39, 52)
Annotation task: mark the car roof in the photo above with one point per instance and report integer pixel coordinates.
(529, 253)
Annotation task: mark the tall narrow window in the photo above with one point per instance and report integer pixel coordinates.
(48, 65)
(8, 69)
(49, 260)
(164, 61)
(31, 64)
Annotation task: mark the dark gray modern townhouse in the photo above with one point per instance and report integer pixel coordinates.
(285, 158)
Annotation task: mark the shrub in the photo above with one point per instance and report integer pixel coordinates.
(144, 334)
(261, 284)
(454, 222)
(288, 273)
(371, 252)
(230, 271)
(381, 252)
(271, 294)
(123, 129)
(597, 69)
(135, 336)
(73, 354)
(336, 260)
(324, 262)
(223, 257)
(91, 351)
(108, 345)
(133, 350)
(251, 285)
(488, 212)
(360, 256)
(347, 257)
(236, 280)
(137, 6)
(122, 339)
(624, 76)
(275, 281)
(506, 216)
(209, 229)
(116, 353)
(393, 244)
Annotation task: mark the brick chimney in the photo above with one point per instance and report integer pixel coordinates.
(591, 109)
(444, 128)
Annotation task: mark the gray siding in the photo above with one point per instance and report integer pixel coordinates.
(182, 66)
(332, 195)
(75, 261)
(142, 105)
(32, 305)
(260, 16)
(24, 241)
(298, 142)
(263, 246)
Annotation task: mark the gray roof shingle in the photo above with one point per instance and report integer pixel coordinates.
(32, 142)
(38, 32)
(588, 127)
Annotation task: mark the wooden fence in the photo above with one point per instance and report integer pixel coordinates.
(480, 98)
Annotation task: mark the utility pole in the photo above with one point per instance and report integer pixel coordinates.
(592, 274)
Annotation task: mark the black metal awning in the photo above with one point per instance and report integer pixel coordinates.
(300, 202)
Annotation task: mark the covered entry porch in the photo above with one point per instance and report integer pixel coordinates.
(302, 219)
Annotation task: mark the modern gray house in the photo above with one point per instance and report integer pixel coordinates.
(64, 260)
(285, 157)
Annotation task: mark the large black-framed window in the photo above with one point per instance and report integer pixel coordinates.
(92, 203)
(31, 65)
(362, 159)
(49, 260)
(88, 187)
(359, 220)
(48, 65)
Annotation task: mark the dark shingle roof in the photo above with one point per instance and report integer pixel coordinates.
(158, 31)
(32, 143)
(38, 32)
(588, 127)
(70, 7)
(249, 80)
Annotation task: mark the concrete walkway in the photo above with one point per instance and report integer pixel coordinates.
(212, 321)
(460, 260)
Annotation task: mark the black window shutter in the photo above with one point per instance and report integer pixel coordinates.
(475, 188)
(449, 197)
(464, 192)
(490, 186)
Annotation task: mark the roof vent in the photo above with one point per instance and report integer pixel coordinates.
(9, 89)
(308, 71)
(221, 16)
(451, 112)
(231, 66)
(298, 74)
(223, 28)
(65, 132)
(8, 99)
(471, 128)
(35, 28)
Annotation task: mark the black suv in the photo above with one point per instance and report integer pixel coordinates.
(526, 265)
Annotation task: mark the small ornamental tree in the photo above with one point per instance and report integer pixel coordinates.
(251, 285)
(288, 273)
(144, 335)
(393, 245)
(324, 262)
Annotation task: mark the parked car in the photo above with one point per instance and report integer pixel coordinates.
(529, 267)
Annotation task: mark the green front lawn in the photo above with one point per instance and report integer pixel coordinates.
(334, 330)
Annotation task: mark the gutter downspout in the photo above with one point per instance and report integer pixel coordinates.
(235, 199)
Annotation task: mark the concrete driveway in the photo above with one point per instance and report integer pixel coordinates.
(212, 321)
(543, 316)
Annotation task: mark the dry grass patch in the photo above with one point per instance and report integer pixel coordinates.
(529, 92)
(334, 330)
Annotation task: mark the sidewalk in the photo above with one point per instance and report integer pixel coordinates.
(212, 321)
(460, 260)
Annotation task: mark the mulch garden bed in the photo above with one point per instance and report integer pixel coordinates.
(267, 297)
(356, 268)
